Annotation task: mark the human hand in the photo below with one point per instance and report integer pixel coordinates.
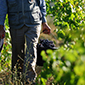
(45, 28)
(2, 32)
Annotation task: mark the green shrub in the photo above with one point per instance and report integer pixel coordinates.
(65, 66)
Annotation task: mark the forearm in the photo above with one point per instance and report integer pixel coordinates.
(3, 11)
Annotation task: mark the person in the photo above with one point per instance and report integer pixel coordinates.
(25, 19)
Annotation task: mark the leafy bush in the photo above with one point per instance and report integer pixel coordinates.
(5, 58)
(65, 66)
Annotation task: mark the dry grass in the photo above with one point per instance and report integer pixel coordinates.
(5, 77)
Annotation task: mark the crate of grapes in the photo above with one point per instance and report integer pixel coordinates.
(43, 44)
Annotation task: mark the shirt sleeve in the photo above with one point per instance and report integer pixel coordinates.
(43, 10)
(3, 11)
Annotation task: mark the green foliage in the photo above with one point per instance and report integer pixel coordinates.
(66, 66)
(5, 58)
(67, 14)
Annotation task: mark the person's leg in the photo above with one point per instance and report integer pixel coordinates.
(17, 37)
(32, 35)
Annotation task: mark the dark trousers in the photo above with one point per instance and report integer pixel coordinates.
(24, 55)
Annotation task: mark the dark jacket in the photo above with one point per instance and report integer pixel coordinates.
(22, 12)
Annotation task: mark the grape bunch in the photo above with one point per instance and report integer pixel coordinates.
(45, 43)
